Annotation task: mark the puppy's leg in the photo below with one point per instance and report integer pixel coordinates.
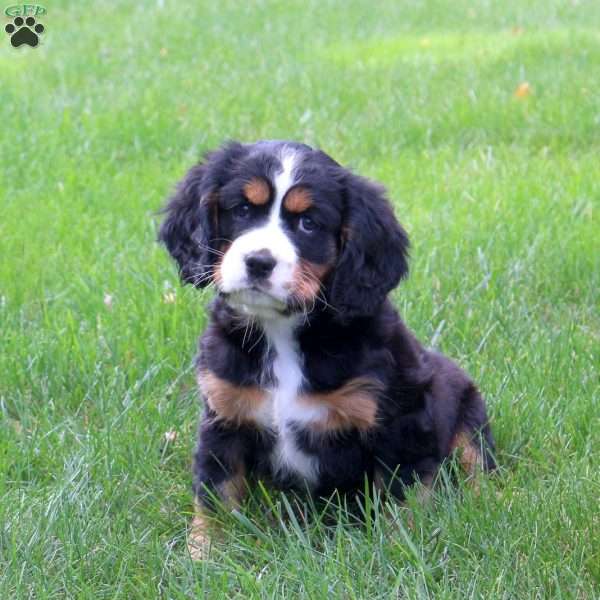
(395, 481)
(199, 536)
(420, 475)
(409, 455)
(204, 528)
(469, 455)
(473, 455)
(219, 478)
(472, 440)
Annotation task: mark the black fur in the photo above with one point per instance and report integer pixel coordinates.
(373, 256)
(190, 230)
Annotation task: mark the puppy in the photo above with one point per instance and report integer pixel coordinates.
(309, 377)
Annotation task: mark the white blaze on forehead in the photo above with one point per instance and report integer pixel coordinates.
(270, 236)
(284, 180)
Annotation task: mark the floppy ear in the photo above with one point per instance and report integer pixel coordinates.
(190, 230)
(374, 250)
(190, 227)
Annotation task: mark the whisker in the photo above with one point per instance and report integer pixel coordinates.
(203, 277)
(209, 249)
(248, 325)
(259, 338)
(222, 239)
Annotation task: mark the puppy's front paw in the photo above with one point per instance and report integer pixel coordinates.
(199, 541)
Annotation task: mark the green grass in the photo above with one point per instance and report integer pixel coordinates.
(497, 192)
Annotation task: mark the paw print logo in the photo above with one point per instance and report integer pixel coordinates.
(24, 32)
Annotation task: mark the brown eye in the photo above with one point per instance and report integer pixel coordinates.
(306, 225)
(241, 211)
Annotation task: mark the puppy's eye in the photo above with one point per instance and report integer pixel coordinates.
(241, 210)
(306, 224)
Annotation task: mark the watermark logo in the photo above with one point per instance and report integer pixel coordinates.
(25, 28)
(24, 10)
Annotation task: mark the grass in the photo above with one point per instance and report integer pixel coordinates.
(497, 191)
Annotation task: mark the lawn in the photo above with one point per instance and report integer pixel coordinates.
(482, 119)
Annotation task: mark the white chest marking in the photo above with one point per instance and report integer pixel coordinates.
(286, 408)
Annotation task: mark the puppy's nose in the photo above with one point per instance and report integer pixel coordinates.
(260, 264)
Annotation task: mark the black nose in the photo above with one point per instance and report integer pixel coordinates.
(260, 264)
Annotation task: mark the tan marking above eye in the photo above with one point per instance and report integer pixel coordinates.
(297, 200)
(354, 405)
(257, 191)
(230, 401)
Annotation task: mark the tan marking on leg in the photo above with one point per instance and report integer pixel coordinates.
(257, 191)
(201, 531)
(469, 456)
(229, 401)
(204, 527)
(297, 200)
(352, 405)
(232, 491)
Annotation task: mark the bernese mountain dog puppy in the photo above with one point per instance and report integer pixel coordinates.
(309, 377)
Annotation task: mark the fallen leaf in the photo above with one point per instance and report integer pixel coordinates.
(523, 90)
